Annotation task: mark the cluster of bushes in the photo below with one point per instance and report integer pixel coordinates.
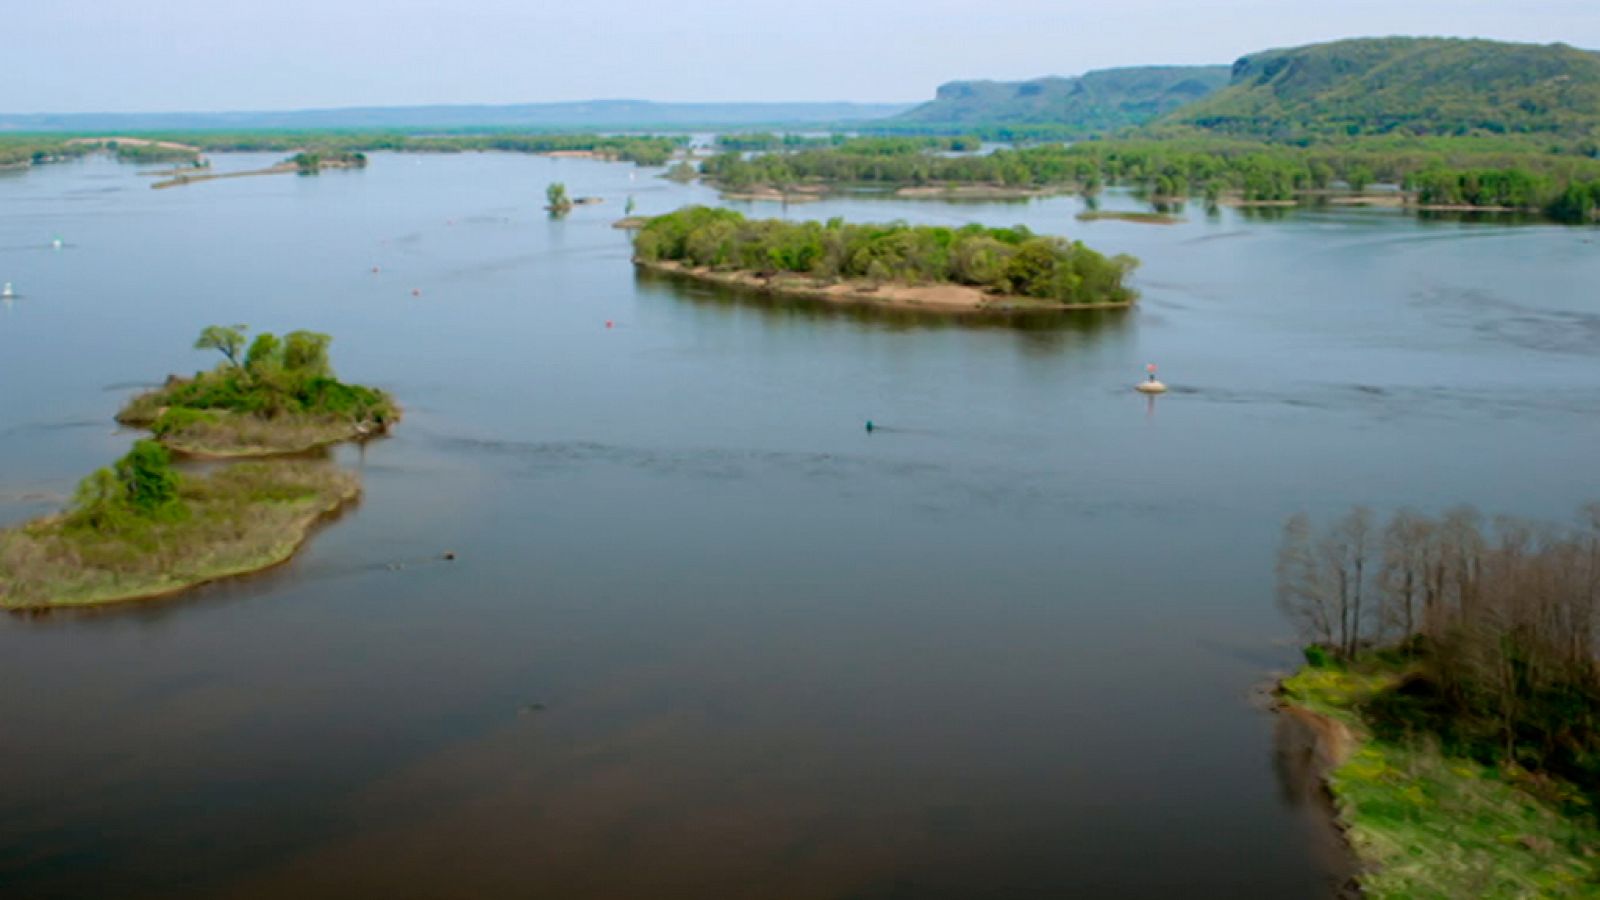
(274, 378)
(309, 163)
(19, 150)
(1011, 261)
(151, 153)
(141, 487)
(1499, 625)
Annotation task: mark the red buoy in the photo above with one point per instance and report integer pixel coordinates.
(609, 323)
(374, 270)
(416, 292)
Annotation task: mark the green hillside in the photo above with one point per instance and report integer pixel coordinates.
(1405, 87)
(1095, 102)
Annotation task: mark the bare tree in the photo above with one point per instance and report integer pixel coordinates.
(1303, 593)
(1408, 551)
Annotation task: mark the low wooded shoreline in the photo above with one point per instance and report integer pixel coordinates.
(939, 298)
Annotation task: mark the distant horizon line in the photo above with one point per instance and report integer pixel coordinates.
(464, 104)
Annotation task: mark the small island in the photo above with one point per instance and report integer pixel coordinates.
(969, 269)
(279, 396)
(142, 529)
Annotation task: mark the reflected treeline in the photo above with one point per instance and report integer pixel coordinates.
(1040, 322)
(1495, 620)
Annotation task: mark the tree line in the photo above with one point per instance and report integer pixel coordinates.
(1497, 620)
(645, 150)
(881, 145)
(1012, 261)
(1445, 172)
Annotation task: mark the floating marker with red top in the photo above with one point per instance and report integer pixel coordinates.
(1150, 385)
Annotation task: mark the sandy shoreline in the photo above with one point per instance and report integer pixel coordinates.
(774, 195)
(1142, 218)
(940, 298)
(979, 192)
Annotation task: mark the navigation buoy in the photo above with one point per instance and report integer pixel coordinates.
(8, 292)
(374, 270)
(610, 324)
(1150, 385)
(416, 292)
(870, 426)
(56, 244)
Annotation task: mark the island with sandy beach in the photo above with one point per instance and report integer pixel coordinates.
(277, 396)
(955, 270)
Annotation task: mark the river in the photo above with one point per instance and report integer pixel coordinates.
(705, 635)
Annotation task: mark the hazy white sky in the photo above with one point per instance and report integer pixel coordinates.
(161, 55)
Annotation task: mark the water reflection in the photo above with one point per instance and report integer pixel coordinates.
(1298, 762)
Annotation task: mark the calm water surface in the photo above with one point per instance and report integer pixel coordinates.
(706, 637)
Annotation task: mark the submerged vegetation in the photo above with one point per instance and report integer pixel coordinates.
(142, 529)
(1006, 261)
(1463, 659)
(278, 396)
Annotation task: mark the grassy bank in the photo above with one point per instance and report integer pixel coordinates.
(1425, 824)
(240, 519)
(279, 396)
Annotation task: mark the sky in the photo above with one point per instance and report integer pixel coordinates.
(212, 55)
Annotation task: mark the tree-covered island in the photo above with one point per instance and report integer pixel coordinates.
(946, 269)
(276, 395)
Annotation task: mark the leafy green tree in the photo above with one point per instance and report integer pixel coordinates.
(100, 503)
(227, 340)
(149, 480)
(556, 198)
(266, 352)
(306, 353)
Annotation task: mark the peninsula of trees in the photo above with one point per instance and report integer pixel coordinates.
(279, 395)
(1452, 673)
(952, 269)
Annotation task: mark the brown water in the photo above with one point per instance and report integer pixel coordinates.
(706, 636)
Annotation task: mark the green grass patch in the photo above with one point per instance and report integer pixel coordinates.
(238, 519)
(1430, 825)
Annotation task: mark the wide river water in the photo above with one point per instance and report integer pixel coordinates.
(706, 636)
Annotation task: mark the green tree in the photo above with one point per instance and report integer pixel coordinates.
(100, 503)
(306, 353)
(266, 352)
(556, 198)
(227, 340)
(148, 478)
